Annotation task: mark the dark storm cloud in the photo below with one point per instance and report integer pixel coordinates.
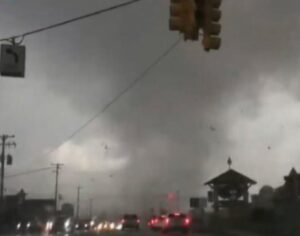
(162, 127)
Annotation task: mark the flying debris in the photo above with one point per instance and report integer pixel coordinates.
(212, 128)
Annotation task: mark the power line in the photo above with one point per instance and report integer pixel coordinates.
(108, 105)
(29, 172)
(70, 21)
(120, 94)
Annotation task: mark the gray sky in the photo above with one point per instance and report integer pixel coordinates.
(158, 135)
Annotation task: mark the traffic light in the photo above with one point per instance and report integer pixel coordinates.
(183, 18)
(211, 26)
(171, 196)
(9, 160)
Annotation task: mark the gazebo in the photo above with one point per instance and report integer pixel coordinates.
(230, 189)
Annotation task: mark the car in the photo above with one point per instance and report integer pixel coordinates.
(151, 222)
(107, 226)
(83, 225)
(29, 226)
(62, 225)
(156, 222)
(160, 222)
(130, 221)
(176, 222)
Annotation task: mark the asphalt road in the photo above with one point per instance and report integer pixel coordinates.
(140, 233)
(126, 233)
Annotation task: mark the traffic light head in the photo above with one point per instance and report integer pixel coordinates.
(9, 159)
(176, 15)
(211, 43)
(211, 26)
(171, 196)
(183, 18)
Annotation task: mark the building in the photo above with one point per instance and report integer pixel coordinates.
(67, 209)
(264, 199)
(42, 209)
(17, 208)
(11, 210)
(290, 190)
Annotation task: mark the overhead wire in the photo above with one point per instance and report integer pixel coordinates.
(117, 97)
(62, 23)
(120, 94)
(29, 172)
(101, 111)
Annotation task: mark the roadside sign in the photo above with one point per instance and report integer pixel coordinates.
(203, 202)
(198, 202)
(12, 60)
(194, 202)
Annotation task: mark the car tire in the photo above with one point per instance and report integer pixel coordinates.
(185, 231)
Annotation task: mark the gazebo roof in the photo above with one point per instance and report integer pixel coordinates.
(229, 177)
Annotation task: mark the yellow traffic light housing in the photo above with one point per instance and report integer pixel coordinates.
(176, 16)
(189, 16)
(211, 27)
(183, 18)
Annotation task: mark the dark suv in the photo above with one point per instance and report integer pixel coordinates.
(130, 221)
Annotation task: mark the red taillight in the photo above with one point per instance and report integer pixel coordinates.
(138, 221)
(167, 221)
(187, 221)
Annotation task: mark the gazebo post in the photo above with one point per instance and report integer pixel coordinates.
(216, 198)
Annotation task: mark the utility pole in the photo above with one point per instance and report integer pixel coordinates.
(4, 144)
(91, 207)
(178, 200)
(57, 169)
(78, 202)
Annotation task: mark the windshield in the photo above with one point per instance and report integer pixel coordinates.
(115, 113)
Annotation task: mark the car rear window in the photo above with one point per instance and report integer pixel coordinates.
(177, 216)
(130, 217)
